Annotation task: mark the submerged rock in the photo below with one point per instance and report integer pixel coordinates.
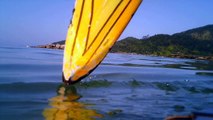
(114, 112)
(179, 108)
(166, 86)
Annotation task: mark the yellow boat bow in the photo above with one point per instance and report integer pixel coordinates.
(95, 27)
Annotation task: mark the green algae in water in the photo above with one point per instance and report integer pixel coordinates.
(114, 112)
(205, 73)
(166, 86)
(207, 91)
(179, 108)
(135, 83)
(192, 89)
(199, 90)
(95, 83)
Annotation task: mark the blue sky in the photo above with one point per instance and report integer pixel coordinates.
(33, 22)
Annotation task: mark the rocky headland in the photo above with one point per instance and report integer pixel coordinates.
(50, 46)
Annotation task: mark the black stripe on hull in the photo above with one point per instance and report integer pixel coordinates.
(104, 25)
(90, 23)
(82, 9)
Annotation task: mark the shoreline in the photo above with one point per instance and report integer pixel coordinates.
(196, 57)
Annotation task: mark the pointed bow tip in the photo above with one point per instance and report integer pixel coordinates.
(70, 81)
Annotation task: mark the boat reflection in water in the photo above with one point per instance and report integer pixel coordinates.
(65, 106)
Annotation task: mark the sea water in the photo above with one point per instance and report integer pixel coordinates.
(123, 87)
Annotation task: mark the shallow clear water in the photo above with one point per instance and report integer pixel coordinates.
(123, 87)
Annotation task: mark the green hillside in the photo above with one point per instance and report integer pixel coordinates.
(192, 43)
(197, 42)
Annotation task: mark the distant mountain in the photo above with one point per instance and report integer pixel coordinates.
(201, 33)
(194, 42)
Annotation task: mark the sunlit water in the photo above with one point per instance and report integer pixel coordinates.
(123, 87)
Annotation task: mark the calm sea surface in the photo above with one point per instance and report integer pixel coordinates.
(123, 87)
